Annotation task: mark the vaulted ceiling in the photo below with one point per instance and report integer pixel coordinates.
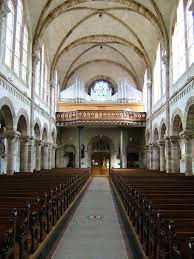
(120, 34)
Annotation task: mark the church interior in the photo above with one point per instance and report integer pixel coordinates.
(96, 129)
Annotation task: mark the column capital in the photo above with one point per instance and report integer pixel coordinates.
(24, 139)
(174, 139)
(4, 9)
(38, 142)
(45, 144)
(186, 134)
(161, 143)
(54, 146)
(12, 134)
(167, 141)
(155, 144)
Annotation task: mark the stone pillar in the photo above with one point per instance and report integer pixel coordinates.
(31, 159)
(161, 144)
(38, 144)
(123, 153)
(77, 156)
(168, 155)
(58, 153)
(4, 10)
(53, 156)
(11, 137)
(175, 154)
(45, 155)
(147, 156)
(150, 156)
(49, 156)
(186, 136)
(156, 158)
(24, 142)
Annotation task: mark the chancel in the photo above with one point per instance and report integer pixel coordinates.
(96, 129)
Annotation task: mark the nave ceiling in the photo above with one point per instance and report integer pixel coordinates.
(81, 33)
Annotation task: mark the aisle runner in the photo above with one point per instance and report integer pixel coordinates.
(94, 232)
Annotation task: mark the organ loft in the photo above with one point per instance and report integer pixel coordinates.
(96, 129)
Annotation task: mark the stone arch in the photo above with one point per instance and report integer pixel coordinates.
(177, 122)
(22, 125)
(189, 114)
(22, 117)
(53, 136)
(155, 134)
(103, 138)
(8, 113)
(37, 129)
(99, 45)
(132, 6)
(45, 133)
(162, 129)
(130, 73)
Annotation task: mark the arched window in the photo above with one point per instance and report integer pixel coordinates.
(38, 76)
(17, 38)
(190, 32)
(42, 75)
(178, 44)
(145, 91)
(9, 35)
(55, 91)
(25, 54)
(157, 75)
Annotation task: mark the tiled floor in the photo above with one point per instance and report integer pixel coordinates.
(94, 232)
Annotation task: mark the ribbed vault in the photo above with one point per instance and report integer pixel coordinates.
(117, 33)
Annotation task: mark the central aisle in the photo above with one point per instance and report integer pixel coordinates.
(94, 231)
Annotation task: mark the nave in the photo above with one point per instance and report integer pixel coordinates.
(94, 231)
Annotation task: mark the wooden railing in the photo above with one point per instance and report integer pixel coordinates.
(111, 116)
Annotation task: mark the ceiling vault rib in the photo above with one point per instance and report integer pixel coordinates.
(94, 46)
(134, 6)
(113, 38)
(82, 21)
(106, 61)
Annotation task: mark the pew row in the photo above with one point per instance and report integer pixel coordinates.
(31, 204)
(161, 210)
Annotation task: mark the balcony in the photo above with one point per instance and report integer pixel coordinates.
(108, 118)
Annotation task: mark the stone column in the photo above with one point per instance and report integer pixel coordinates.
(150, 156)
(53, 156)
(31, 159)
(11, 137)
(186, 136)
(168, 155)
(156, 158)
(123, 153)
(58, 153)
(24, 142)
(147, 156)
(175, 154)
(77, 157)
(49, 156)
(45, 155)
(4, 10)
(161, 144)
(38, 144)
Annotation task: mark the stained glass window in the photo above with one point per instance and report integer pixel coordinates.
(101, 88)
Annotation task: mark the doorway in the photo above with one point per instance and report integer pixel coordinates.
(100, 163)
